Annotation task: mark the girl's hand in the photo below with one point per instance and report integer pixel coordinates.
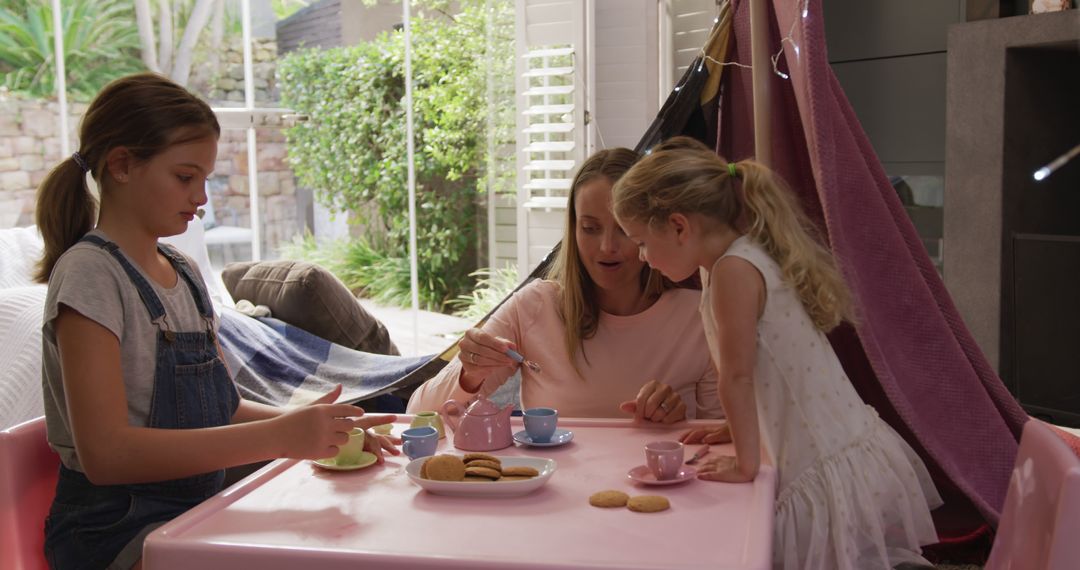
(656, 402)
(481, 354)
(376, 443)
(315, 431)
(711, 434)
(724, 468)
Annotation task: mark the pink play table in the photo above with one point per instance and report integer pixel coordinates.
(292, 515)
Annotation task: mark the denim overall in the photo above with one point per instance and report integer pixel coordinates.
(88, 524)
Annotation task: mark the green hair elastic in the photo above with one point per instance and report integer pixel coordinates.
(731, 170)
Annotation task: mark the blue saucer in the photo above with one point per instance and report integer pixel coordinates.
(560, 437)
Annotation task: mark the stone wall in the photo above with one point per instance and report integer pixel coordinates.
(30, 147)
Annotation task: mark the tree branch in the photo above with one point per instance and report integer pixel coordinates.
(145, 22)
(165, 28)
(200, 15)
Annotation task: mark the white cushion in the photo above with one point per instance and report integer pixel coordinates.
(20, 250)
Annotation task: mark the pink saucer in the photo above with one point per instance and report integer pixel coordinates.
(642, 474)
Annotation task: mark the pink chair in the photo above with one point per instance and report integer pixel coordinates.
(28, 471)
(1040, 526)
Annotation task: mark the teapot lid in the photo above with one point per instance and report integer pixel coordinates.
(482, 407)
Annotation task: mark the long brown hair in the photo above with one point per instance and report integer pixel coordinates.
(147, 114)
(578, 302)
(691, 178)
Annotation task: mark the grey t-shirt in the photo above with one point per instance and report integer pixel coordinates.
(89, 280)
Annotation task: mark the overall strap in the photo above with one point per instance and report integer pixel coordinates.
(146, 291)
(202, 299)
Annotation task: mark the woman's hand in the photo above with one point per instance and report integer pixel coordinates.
(725, 469)
(481, 354)
(708, 434)
(656, 402)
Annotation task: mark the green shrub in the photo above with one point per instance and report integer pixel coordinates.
(352, 150)
(492, 286)
(101, 43)
(365, 270)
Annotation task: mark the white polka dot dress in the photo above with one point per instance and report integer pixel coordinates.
(851, 493)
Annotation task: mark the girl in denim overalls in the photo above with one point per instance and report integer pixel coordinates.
(138, 402)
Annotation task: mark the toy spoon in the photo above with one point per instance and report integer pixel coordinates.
(700, 453)
(521, 359)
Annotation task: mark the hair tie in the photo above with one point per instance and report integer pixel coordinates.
(731, 170)
(79, 160)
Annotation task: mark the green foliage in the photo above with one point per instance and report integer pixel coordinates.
(364, 269)
(353, 148)
(492, 286)
(101, 43)
(285, 8)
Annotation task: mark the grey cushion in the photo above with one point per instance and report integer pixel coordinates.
(311, 298)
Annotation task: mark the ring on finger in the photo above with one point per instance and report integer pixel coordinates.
(664, 406)
(472, 357)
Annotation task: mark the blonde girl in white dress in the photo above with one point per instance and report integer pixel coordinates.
(851, 493)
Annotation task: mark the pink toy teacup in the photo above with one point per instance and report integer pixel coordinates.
(664, 458)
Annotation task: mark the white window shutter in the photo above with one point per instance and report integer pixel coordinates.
(687, 23)
(551, 137)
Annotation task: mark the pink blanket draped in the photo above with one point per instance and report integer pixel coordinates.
(911, 357)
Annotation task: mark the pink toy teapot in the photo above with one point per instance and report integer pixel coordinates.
(483, 427)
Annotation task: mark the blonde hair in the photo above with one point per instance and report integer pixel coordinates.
(146, 113)
(578, 304)
(687, 177)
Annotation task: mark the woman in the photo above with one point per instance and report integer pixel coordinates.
(613, 338)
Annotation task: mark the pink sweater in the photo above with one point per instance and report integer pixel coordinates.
(665, 342)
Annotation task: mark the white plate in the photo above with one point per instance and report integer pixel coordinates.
(487, 489)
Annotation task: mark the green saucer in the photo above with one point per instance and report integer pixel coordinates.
(367, 459)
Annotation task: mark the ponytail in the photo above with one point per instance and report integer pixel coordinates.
(683, 175)
(777, 222)
(66, 210)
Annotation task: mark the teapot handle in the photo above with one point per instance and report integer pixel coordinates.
(451, 410)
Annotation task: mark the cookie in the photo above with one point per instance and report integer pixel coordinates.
(648, 504)
(471, 456)
(484, 463)
(608, 499)
(475, 479)
(483, 472)
(423, 470)
(513, 478)
(445, 468)
(521, 471)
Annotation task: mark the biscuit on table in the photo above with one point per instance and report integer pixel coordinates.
(483, 472)
(444, 468)
(520, 471)
(608, 499)
(484, 463)
(648, 504)
(471, 456)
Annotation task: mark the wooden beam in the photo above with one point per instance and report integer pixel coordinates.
(762, 69)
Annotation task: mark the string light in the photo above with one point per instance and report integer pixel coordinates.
(789, 38)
